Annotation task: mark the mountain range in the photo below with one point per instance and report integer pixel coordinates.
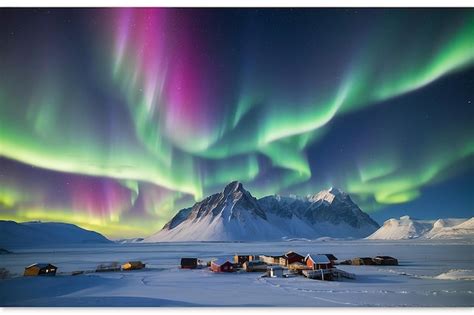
(409, 228)
(235, 215)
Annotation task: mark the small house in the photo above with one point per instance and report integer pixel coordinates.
(40, 270)
(133, 265)
(270, 259)
(316, 262)
(110, 267)
(385, 260)
(255, 266)
(222, 265)
(275, 271)
(290, 257)
(240, 259)
(189, 263)
(358, 261)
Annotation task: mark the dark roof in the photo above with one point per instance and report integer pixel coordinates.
(41, 265)
(291, 253)
(330, 256)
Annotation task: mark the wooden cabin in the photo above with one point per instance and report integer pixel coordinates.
(290, 257)
(385, 260)
(241, 259)
(316, 262)
(270, 259)
(275, 271)
(133, 265)
(189, 263)
(40, 270)
(255, 266)
(222, 265)
(359, 261)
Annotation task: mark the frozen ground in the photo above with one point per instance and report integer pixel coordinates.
(431, 273)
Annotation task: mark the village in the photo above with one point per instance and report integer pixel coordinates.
(290, 264)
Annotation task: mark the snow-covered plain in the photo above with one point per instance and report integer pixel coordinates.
(431, 273)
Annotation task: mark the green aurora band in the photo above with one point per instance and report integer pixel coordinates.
(47, 121)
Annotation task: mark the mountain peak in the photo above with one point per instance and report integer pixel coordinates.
(233, 187)
(327, 195)
(234, 214)
(335, 191)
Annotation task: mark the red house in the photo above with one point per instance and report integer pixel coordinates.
(316, 262)
(222, 265)
(291, 257)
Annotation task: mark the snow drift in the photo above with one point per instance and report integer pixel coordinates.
(409, 228)
(456, 274)
(235, 215)
(13, 234)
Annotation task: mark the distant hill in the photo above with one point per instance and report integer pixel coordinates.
(235, 215)
(43, 234)
(409, 228)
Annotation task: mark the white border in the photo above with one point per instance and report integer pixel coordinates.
(236, 3)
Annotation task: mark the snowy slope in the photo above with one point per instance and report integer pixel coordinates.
(455, 230)
(13, 234)
(409, 228)
(235, 215)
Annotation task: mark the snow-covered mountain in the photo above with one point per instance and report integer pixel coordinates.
(409, 228)
(235, 215)
(13, 234)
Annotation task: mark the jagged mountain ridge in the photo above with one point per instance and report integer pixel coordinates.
(234, 214)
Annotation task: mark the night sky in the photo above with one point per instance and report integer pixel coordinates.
(114, 119)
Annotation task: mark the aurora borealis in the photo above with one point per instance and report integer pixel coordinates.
(114, 119)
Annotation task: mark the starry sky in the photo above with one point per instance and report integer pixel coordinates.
(114, 119)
